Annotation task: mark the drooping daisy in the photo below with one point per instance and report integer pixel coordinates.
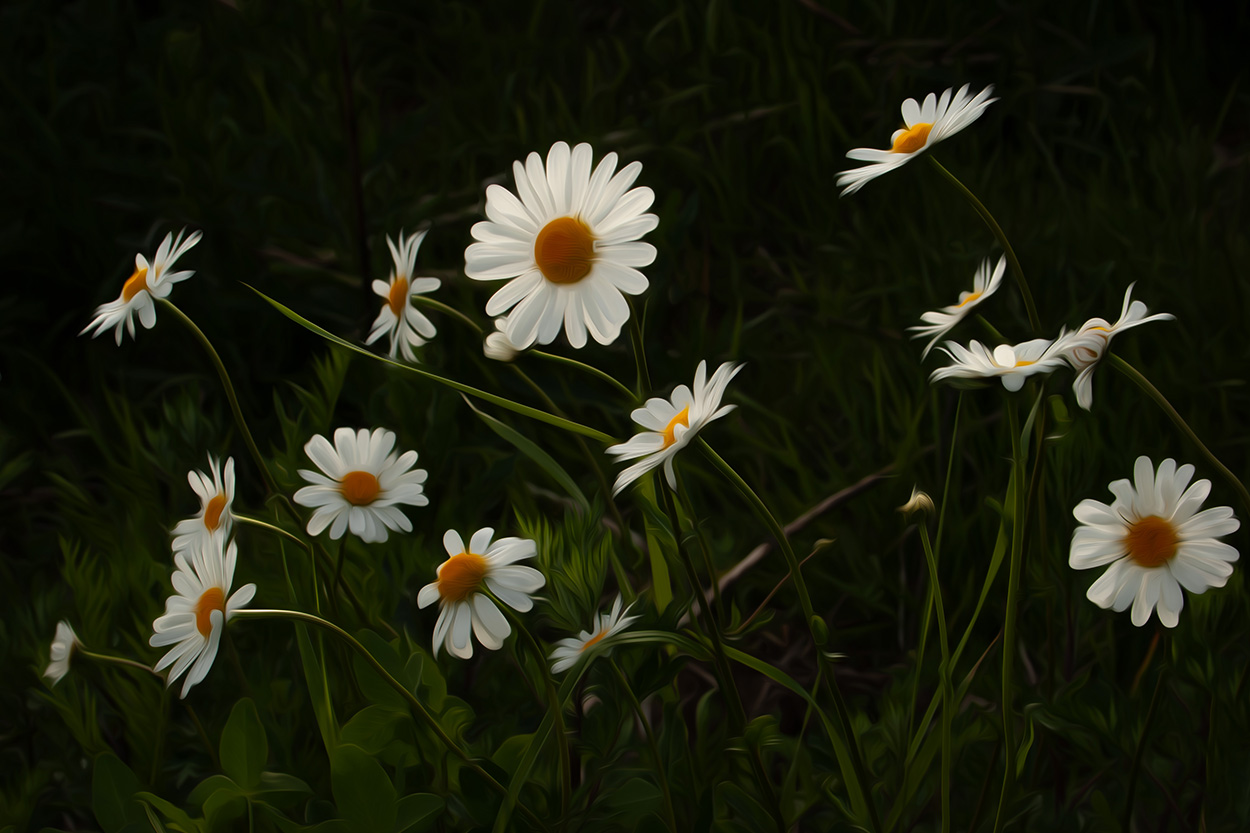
(362, 484)
(216, 493)
(941, 321)
(463, 607)
(497, 346)
(925, 125)
(1013, 363)
(407, 327)
(569, 650)
(1084, 348)
(64, 643)
(149, 280)
(673, 423)
(1155, 540)
(198, 611)
(568, 247)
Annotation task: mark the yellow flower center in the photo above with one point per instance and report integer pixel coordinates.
(398, 296)
(971, 297)
(594, 640)
(460, 576)
(212, 512)
(1151, 541)
(213, 599)
(682, 418)
(359, 488)
(135, 284)
(912, 139)
(1025, 362)
(564, 250)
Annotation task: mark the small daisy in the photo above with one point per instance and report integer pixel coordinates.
(941, 321)
(365, 481)
(926, 125)
(64, 643)
(568, 247)
(216, 493)
(497, 346)
(407, 327)
(569, 650)
(1084, 348)
(672, 424)
(198, 611)
(1011, 362)
(463, 607)
(1155, 540)
(150, 280)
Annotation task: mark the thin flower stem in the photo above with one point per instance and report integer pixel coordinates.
(586, 368)
(640, 353)
(661, 776)
(1009, 625)
(684, 497)
(948, 691)
(448, 310)
(128, 663)
(1141, 747)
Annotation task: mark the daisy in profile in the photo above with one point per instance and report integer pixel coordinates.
(407, 327)
(64, 643)
(938, 323)
(361, 483)
(1084, 348)
(924, 126)
(569, 650)
(198, 611)
(671, 424)
(1012, 363)
(463, 606)
(216, 493)
(1155, 541)
(149, 280)
(497, 346)
(568, 247)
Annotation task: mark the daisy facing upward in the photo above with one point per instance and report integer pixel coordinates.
(407, 327)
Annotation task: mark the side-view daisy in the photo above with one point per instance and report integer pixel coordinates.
(497, 346)
(1155, 540)
(570, 649)
(1013, 363)
(149, 280)
(463, 606)
(568, 247)
(198, 611)
(360, 484)
(64, 643)
(216, 493)
(924, 126)
(939, 322)
(407, 327)
(673, 423)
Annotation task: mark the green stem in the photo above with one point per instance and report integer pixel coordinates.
(948, 692)
(1141, 747)
(127, 663)
(661, 776)
(640, 353)
(705, 551)
(1013, 603)
(426, 300)
(586, 368)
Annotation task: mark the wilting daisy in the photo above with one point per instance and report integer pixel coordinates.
(198, 611)
(1084, 348)
(1011, 362)
(569, 247)
(216, 493)
(497, 346)
(362, 484)
(673, 423)
(407, 327)
(1155, 540)
(569, 650)
(463, 607)
(149, 280)
(939, 322)
(64, 643)
(925, 125)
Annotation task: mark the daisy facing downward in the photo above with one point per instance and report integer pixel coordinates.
(149, 280)
(407, 327)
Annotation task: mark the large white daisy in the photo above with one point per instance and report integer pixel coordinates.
(1012, 363)
(463, 607)
(568, 246)
(571, 649)
(941, 321)
(407, 326)
(64, 643)
(360, 484)
(1155, 540)
(149, 280)
(216, 493)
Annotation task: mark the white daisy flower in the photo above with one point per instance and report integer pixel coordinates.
(150, 280)
(216, 493)
(363, 481)
(407, 327)
(1084, 348)
(198, 611)
(463, 607)
(671, 424)
(941, 321)
(64, 643)
(497, 346)
(569, 245)
(569, 650)
(1155, 540)
(925, 125)
(1013, 363)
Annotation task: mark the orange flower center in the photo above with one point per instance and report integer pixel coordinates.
(594, 640)
(398, 296)
(213, 599)
(212, 512)
(912, 139)
(971, 297)
(1151, 541)
(359, 488)
(135, 284)
(460, 576)
(564, 250)
(1025, 362)
(682, 418)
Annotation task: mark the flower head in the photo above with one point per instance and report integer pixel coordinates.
(216, 493)
(1012, 363)
(463, 607)
(149, 280)
(1155, 540)
(497, 346)
(198, 611)
(918, 502)
(939, 322)
(569, 246)
(925, 125)
(363, 481)
(64, 643)
(407, 327)
(569, 650)
(673, 423)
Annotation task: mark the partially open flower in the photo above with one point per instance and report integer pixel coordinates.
(398, 318)
(64, 643)
(148, 281)
(216, 494)
(571, 649)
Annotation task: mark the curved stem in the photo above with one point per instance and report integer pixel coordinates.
(586, 368)
(127, 663)
(661, 775)
(448, 310)
(640, 353)
(705, 550)
(1009, 626)
(948, 692)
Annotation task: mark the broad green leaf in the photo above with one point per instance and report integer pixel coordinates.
(372, 728)
(176, 815)
(244, 746)
(362, 789)
(113, 787)
(418, 812)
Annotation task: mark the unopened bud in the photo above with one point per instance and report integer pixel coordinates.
(918, 502)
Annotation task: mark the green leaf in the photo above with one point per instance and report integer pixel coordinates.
(113, 787)
(172, 812)
(661, 587)
(362, 790)
(738, 805)
(372, 728)
(418, 811)
(244, 746)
